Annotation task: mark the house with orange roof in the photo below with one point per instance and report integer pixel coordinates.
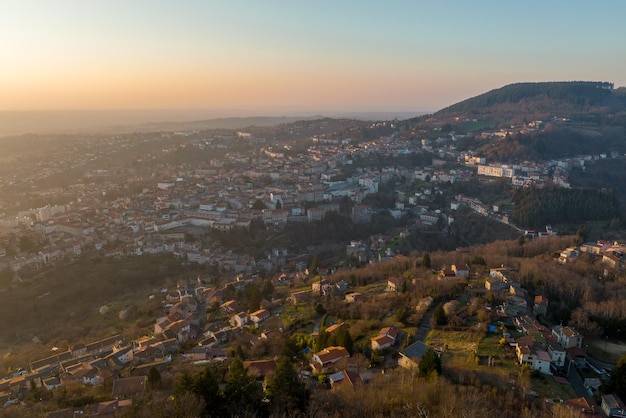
(326, 359)
(335, 327)
(380, 342)
(354, 297)
(385, 338)
(259, 316)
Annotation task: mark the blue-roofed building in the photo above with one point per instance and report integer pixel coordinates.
(411, 355)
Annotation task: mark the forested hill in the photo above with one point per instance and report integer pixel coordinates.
(541, 100)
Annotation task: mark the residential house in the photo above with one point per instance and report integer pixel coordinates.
(495, 284)
(259, 316)
(577, 356)
(583, 406)
(50, 364)
(461, 270)
(393, 285)
(299, 297)
(51, 382)
(385, 338)
(161, 325)
(522, 348)
(380, 342)
(335, 327)
(326, 359)
(345, 378)
(612, 259)
(104, 345)
(87, 374)
(149, 354)
(534, 357)
(447, 273)
(112, 408)
(569, 255)
(592, 248)
(239, 320)
(557, 353)
(502, 273)
(322, 286)
(612, 406)
(181, 330)
(128, 387)
(282, 279)
(230, 308)
(567, 336)
(260, 368)
(212, 328)
(411, 355)
(354, 297)
(79, 350)
(541, 361)
(541, 305)
(516, 289)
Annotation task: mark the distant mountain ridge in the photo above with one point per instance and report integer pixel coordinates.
(541, 100)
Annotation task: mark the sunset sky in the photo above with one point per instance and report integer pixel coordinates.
(296, 56)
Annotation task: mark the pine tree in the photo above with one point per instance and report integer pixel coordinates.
(430, 362)
(242, 393)
(154, 378)
(285, 390)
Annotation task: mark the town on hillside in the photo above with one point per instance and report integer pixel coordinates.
(311, 265)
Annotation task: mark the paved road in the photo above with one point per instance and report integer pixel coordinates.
(422, 331)
(577, 383)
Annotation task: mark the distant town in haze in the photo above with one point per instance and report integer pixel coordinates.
(450, 263)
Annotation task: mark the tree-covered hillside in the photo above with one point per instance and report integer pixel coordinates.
(576, 93)
(538, 207)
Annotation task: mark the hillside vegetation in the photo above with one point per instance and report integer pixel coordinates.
(537, 99)
(537, 207)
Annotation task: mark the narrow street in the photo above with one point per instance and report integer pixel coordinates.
(424, 328)
(576, 381)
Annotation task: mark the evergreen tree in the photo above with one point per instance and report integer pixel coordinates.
(319, 309)
(285, 390)
(440, 316)
(183, 382)
(154, 378)
(341, 337)
(253, 296)
(268, 288)
(242, 393)
(430, 362)
(426, 260)
(322, 338)
(205, 385)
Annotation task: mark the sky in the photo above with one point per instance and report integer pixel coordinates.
(289, 57)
